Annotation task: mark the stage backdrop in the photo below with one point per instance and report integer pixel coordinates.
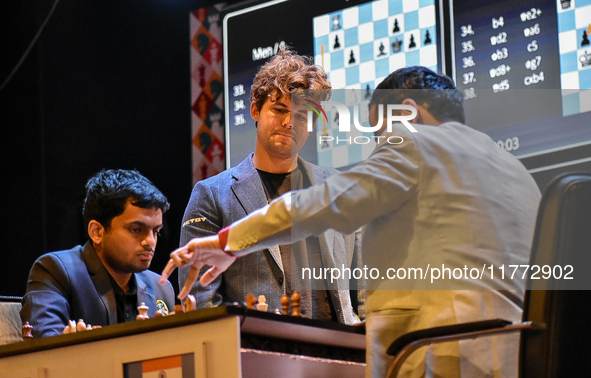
(207, 92)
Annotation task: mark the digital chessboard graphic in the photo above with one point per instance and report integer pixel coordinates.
(358, 47)
(574, 27)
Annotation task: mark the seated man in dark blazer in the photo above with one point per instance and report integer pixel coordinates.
(104, 281)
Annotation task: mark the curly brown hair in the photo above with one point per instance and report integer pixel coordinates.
(285, 73)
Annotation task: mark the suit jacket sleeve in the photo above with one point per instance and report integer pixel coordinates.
(45, 305)
(202, 218)
(344, 202)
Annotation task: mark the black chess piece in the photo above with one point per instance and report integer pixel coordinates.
(412, 43)
(565, 4)
(367, 92)
(396, 26)
(324, 141)
(585, 39)
(427, 38)
(396, 45)
(337, 44)
(352, 58)
(381, 48)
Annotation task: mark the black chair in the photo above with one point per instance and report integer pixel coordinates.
(555, 333)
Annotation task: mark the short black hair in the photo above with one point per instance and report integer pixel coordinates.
(442, 98)
(108, 191)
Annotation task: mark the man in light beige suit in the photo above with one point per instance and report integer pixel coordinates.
(445, 195)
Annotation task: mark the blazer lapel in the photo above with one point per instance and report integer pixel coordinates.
(316, 176)
(314, 173)
(340, 298)
(249, 191)
(101, 281)
(144, 296)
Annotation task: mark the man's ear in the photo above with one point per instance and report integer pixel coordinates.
(255, 113)
(96, 231)
(411, 102)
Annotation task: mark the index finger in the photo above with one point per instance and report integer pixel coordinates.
(168, 269)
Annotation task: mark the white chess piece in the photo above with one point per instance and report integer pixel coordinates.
(81, 326)
(143, 312)
(70, 327)
(262, 305)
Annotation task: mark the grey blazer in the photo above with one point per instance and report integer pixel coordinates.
(74, 284)
(229, 196)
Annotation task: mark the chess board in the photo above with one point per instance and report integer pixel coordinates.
(358, 47)
(574, 27)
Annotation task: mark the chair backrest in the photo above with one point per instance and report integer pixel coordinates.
(11, 329)
(562, 240)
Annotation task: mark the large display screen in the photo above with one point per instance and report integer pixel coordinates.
(357, 43)
(524, 70)
(524, 66)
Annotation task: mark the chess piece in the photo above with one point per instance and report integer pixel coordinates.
(324, 141)
(396, 26)
(427, 38)
(337, 44)
(70, 327)
(285, 304)
(412, 43)
(143, 312)
(295, 304)
(367, 92)
(336, 22)
(250, 301)
(381, 49)
(352, 57)
(178, 309)
(27, 331)
(190, 303)
(585, 40)
(80, 326)
(262, 305)
(277, 311)
(396, 46)
(585, 59)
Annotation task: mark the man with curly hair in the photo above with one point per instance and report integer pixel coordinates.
(273, 169)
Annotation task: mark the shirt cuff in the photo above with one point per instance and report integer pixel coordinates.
(223, 239)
